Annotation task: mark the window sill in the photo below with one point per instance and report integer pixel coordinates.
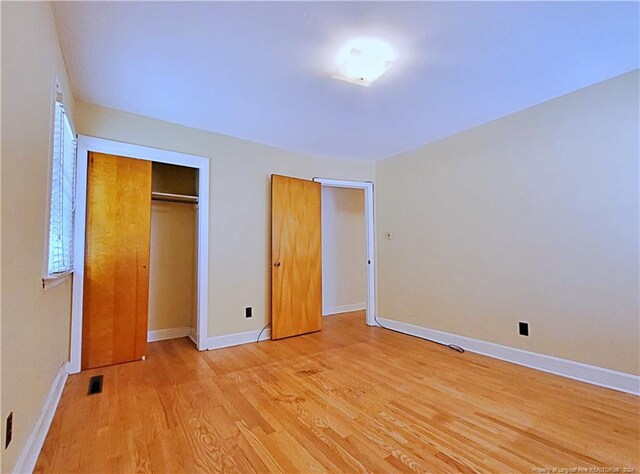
(52, 281)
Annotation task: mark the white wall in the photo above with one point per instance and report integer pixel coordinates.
(35, 323)
(532, 217)
(344, 251)
(171, 265)
(239, 250)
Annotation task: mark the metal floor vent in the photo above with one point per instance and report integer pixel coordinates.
(95, 385)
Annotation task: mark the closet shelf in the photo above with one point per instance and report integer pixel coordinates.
(170, 197)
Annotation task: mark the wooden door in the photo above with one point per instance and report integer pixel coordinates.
(116, 274)
(296, 257)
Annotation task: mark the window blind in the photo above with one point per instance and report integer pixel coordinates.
(63, 178)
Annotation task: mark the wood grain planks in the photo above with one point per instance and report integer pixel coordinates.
(351, 398)
(116, 281)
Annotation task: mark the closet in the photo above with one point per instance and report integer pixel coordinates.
(140, 257)
(173, 276)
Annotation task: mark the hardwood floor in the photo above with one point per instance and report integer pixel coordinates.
(349, 398)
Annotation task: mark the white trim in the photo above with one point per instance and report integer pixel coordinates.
(193, 335)
(608, 378)
(29, 455)
(371, 237)
(236, 339)
(164, 334)
(87, 144)
(52, 281)
(345, 308)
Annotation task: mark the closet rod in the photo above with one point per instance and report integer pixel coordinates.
(169, 197)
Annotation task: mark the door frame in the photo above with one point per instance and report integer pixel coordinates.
(88, 144)
(371, 237)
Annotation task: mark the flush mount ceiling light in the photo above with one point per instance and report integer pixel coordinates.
(363, 60)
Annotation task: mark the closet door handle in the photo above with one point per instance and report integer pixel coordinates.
(276, 264)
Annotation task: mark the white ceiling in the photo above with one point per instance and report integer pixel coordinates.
(262, 71)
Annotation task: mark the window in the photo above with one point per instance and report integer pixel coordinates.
(63, 178)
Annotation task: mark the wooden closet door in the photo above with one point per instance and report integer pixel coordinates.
(296, 252)
(116, 277)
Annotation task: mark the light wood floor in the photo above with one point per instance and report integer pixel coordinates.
(350, 398)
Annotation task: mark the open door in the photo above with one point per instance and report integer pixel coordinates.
(116, 277)
(296, 257)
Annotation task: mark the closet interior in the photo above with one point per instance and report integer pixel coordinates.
(173, 252)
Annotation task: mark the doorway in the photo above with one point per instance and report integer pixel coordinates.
(87, 145)
(344, 251)
(369, 243)
(173, 252)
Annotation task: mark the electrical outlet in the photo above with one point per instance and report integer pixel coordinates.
(523, 328)
(8, 431)
(248, 312)
(388, 236)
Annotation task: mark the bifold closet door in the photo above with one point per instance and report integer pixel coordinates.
(116, 274)
(296, 257)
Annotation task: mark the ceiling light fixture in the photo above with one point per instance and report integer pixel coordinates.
(363, 60)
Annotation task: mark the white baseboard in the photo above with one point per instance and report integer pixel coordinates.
(172, 333)
(218, 342)
(29, 456)
(608, 378)
(193, 335)
(347, 308)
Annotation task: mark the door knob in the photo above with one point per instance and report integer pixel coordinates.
(276, 264)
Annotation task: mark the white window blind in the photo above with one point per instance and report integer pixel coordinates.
(63, 178)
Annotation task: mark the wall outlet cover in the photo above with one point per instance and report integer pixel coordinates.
(523, 328)
(8, 431)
